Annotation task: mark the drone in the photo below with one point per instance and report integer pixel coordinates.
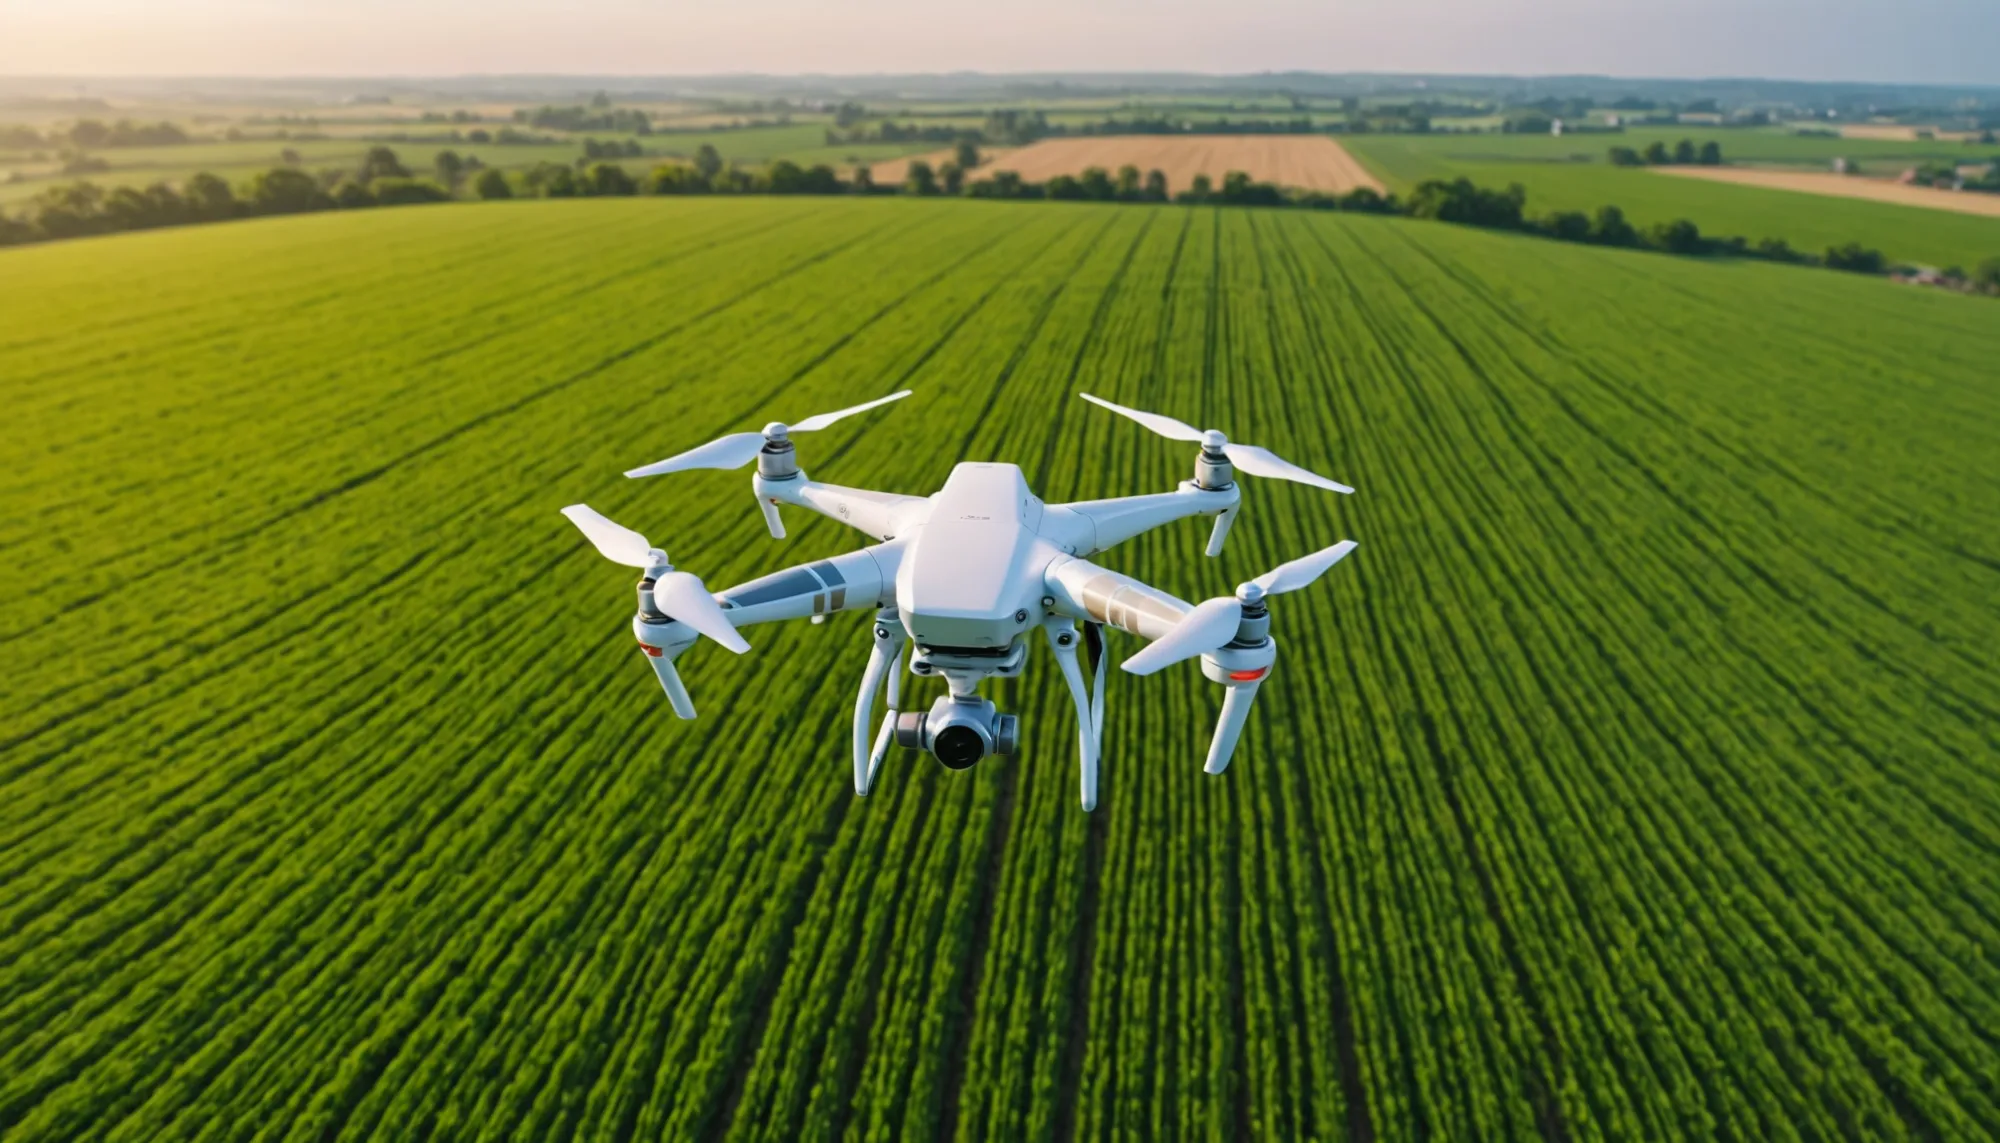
(964, 577)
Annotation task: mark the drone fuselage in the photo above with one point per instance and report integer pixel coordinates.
(971, 575)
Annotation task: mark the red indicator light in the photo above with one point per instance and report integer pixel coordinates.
(1248, 676)
(649, 649)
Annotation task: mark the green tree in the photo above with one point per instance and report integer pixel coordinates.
(408, 192)
(1200, 189)
(89, 134)
(209, 198)
(951, 177)
(675, 178)
(1097, 185)
(1567, 226)
(966, 155)
(450, 168)
(707, 161)
(1063, 187)
(785, 177)
(1656, 154)
(282, 190)
(1856, 258)
(608, 180)
(1156, 185)
(1711, 154)
(380, 163)
(559, 182)
(492, 184)
(1986, 279)
(1128, 183)
(864, 179)
(1609, 228)
(128, 208)
(1684, 152)
(1777, 250)
(1625, 157)
(1677, 237)
(351, 195)
(920, 179)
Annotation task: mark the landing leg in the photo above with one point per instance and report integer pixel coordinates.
(887, 637)
(1063, 639)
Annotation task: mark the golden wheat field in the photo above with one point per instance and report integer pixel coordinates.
(1311, 162)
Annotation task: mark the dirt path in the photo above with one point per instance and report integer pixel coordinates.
(1847, 186)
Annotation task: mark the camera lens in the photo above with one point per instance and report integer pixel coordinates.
(958, 747)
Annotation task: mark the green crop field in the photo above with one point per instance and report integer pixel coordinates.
(1774, 146)
(1638, 778)
(1571, 173)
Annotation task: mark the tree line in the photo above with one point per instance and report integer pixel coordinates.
(1656, 154)
(84, 208)
(597, 117)
(94, 133)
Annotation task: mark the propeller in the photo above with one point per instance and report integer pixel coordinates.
(1214, 622)
(1247, 458)
(681, 595)
(739, 449)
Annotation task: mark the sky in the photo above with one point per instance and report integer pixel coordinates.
(1939, 41)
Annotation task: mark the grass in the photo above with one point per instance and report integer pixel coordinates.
(1635, 779)
(1571, 173)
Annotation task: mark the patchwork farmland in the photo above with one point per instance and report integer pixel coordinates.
(1635, 779)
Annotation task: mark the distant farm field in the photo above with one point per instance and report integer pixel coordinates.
(1310, 162)
(1848, 186)
(1580, 179)
(1638, 778)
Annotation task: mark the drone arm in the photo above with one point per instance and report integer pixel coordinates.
(1084, 591)
(882, 515)
(846, 582)
(1094, 525)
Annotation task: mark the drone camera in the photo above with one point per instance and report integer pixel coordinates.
(959, 731)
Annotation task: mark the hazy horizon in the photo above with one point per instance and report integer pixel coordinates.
(1862, 41)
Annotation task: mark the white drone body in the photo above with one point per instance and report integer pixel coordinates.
(964, 577)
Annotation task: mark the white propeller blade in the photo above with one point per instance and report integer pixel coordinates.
(1165, 426)
(1251, 459)
(1263, 462)
(732, 451)
(616, 542)
(739, 449)
(813, 424)
(682, 596)
(1302, 571)
(1211, 624)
